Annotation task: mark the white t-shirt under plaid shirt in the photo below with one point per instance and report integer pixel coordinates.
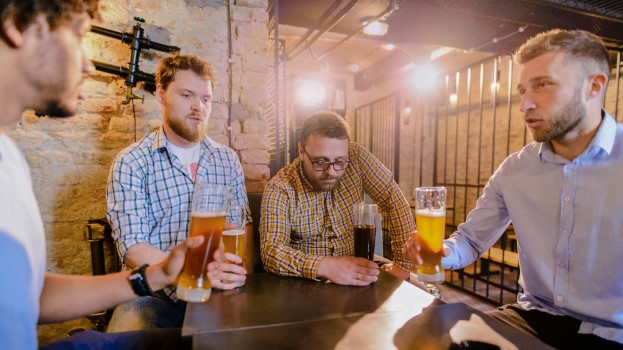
(149, 192)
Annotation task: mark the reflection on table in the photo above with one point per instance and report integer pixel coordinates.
(277, 312)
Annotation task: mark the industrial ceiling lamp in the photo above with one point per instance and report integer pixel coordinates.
(376, 28)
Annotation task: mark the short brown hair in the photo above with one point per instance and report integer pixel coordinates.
(170, 65)
(327, 124)
(577, 44)
(23, 12)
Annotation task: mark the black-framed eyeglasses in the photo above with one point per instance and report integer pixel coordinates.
(340, 165)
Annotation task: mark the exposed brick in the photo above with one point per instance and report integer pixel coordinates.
(256, 172)
(254, 126)
(255, 157)
(252, 3)
(251, 141)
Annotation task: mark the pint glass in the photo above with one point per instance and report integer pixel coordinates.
(430, 218)
(234, 238)
(364, 222)
(209, 209)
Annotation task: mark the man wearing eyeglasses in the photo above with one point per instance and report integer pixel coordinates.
(306, 225)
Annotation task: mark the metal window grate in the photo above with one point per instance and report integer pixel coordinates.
(376, 129)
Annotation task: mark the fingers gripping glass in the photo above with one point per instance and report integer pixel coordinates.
(340, 165)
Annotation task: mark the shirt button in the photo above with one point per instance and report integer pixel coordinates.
(567, 198)
(559, 298)
(564, 233)
(562, 264)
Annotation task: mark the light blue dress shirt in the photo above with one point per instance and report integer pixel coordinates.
(568, 217)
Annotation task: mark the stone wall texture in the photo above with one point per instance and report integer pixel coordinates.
(70, 158)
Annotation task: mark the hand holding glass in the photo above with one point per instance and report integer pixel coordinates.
(208, 212)
(430, 218)
(364, 222)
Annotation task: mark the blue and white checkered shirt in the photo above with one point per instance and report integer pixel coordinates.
(149, 193)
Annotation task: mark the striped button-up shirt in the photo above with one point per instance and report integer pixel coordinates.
(299, 226)
(149, 192)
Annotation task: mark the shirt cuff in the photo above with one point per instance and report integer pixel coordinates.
(310, 267)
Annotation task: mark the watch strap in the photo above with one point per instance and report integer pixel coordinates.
(138, 281)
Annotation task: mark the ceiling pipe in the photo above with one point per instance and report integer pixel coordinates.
(322, 19)
(391, 7)
(322, 27)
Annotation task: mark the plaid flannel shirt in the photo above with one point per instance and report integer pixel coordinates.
(298, 225)
(149, 193)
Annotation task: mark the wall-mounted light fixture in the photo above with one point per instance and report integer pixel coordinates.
(452, 86)
(406, 112)
(495, 88)
(453, 98)
(495, 85)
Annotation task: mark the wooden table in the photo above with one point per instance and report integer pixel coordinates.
(274, 312)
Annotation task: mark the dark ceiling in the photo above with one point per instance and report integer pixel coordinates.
(494, 26)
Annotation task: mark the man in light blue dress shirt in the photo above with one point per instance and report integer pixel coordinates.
(563, 195)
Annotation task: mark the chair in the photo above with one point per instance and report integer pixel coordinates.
(104, 259)
(255, 205)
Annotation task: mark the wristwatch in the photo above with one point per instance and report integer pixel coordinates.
(138, 281)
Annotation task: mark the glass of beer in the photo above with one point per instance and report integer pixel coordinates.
(364, 223)
(430, 218)
(208, 212)
(234, 238)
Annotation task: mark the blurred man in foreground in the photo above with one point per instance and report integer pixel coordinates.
(43, 64)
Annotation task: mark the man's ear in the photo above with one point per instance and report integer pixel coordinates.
(15, 38)
(11, 34)
(597, 84)
(159, 93)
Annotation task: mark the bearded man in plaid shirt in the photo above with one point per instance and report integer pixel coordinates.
(306, 224)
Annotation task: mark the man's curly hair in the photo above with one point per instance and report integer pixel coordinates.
(23, 12)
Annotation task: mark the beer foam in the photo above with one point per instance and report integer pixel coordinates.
(207, 214)
(431, 212)
(233, 232)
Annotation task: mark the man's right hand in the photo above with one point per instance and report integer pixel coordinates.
(233, 273)
(411, 251)
(348, 270)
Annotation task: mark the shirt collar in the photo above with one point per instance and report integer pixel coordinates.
(604, 140)
(304, 183)
(208, 145)
(160, 141)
